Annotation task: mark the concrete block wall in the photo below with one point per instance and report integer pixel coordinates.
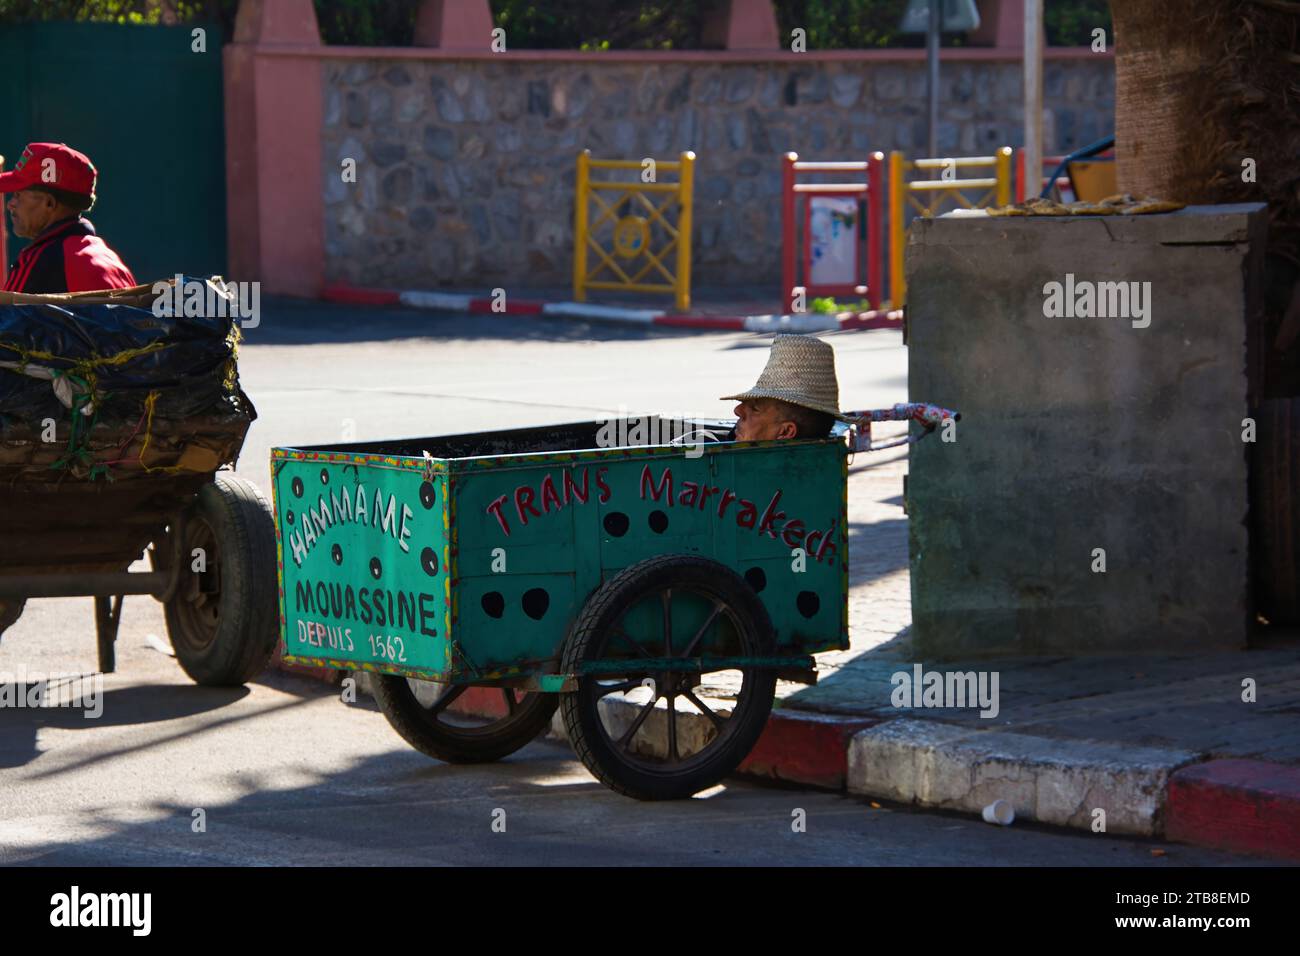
(1082, 433)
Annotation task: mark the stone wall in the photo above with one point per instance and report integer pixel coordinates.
(466, 168)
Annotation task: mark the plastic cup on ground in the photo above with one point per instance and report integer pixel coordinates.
(1000, 812)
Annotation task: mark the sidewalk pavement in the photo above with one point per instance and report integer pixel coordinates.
(1164, 745)
(712, 309)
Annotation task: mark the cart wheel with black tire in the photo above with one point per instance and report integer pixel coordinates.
(642, 730)
(420, 712)
(223, 617)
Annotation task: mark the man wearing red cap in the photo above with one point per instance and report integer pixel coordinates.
(52, 185)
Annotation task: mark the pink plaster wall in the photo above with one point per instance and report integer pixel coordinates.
(290, 216)
(273, 151)
(742, 25)
(243, 245)
(968, 54)
(454, 24)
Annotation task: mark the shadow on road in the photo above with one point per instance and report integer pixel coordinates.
(122, 706)
(397, 808)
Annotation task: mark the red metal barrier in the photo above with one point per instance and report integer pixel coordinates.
(872, 193)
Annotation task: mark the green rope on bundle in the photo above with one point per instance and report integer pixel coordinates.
(79, 429)
(87, 365)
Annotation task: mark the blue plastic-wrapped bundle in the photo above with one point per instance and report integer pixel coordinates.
(110, 377)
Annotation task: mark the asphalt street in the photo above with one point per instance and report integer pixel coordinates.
(283, 772)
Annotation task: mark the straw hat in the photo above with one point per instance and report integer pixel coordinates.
(800, 370)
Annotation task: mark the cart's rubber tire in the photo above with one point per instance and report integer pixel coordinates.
(227, 639)
(420, 727)
(589, 639)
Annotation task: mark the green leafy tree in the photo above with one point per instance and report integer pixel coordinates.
(1071, 23)
(600, 24)
(367, 22)
(137, 12)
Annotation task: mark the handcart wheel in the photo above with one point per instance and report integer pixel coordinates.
(223, 618)
(418, 710)
(647, 733)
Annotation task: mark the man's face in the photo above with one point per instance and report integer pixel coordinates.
(31, 212)
(761, 420)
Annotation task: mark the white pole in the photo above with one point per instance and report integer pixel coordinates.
(1033, 97)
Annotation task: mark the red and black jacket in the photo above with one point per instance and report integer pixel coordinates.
(68, 257)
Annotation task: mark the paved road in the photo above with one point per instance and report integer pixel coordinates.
(285, 773)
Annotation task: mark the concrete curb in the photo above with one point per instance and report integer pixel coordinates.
(1057, 781)
(804, 747)
(1248, 806)
(1244, 806)
(795, 746)
(458, 302)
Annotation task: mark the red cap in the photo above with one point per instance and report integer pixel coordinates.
(54, 166)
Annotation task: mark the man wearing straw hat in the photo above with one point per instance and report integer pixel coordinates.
(797, 396)
(51, 186)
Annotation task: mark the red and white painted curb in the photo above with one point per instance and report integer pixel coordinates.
(803, 322)
(1243, 806)
(1247, 806)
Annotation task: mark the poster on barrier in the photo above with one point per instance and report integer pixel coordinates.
(833, 240)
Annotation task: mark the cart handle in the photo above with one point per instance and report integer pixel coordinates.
(926, 415)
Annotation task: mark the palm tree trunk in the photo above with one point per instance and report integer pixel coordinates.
(1161, 126)
(1207, 110)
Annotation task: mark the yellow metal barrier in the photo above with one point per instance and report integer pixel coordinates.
(927, 196)
(629, 234)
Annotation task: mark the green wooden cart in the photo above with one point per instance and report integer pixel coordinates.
(624, 585)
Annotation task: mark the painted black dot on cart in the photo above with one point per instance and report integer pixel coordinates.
(336, 553)
(376, 568)
(288, 516)
(756, 578)
(428, 495)
(324, 477)
(808, 603)
(297, 487)
(429, 561)
(535, 602)
(494, 604)
(658, 522)
(616, 523)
